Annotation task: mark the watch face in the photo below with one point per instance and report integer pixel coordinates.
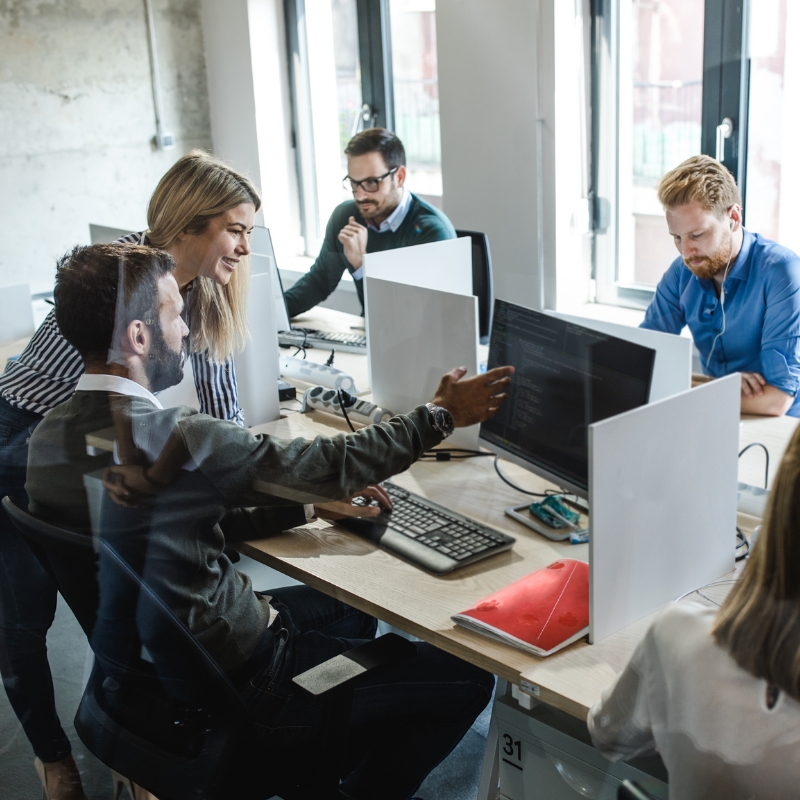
(444, 421)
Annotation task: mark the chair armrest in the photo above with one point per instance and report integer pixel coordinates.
(341, 670)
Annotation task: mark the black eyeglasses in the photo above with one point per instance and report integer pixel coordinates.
(368, 184)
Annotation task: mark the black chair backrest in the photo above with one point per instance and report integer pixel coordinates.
(69, 557)
(482, 286)
(71, 560)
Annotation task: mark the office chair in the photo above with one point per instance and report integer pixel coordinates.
(482, 286)
(187, 736)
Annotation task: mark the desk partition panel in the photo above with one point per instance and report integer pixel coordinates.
(416, 335)
(662, 496)
(257, 369)
(445, 266)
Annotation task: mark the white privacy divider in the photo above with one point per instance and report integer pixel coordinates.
(662, 497)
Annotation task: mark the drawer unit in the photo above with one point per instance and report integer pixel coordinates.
(546, 754)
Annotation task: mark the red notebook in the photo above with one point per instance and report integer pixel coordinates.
(540, 613)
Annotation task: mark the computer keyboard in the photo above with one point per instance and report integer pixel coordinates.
(306, 337)
(427, 534)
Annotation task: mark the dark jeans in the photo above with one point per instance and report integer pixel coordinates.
(405, 720)
(27, 602)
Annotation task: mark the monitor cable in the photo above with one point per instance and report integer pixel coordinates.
(766, 455)
(513, 485)
(452, 454)
(742, 542)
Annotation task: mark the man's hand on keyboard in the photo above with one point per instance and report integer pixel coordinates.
(346, 508)
(473, 400)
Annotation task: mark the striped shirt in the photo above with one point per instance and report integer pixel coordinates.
(49, 368)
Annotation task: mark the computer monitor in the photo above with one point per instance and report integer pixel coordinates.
(567, 377)
(672, 372)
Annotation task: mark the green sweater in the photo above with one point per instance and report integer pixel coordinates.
(422, 224)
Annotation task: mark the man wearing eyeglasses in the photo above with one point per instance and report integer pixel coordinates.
(382, 215)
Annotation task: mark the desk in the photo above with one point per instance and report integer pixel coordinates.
(355, 571)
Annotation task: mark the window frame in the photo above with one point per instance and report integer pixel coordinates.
(725, 94)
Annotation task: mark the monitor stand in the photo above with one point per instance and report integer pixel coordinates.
(522, 514)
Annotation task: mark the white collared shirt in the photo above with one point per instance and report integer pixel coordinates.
(90, 382)
(151, 435)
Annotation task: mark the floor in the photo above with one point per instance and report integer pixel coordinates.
(455, 779)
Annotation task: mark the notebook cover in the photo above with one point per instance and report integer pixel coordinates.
(540, 613)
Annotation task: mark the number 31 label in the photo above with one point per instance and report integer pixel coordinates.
(512, 751)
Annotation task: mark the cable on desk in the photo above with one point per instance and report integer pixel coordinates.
(329, 362)
(452, 454)
(742, 542)
(302, 346)
(705, 586)
(766, 454)
(513, 485)
(342, 397)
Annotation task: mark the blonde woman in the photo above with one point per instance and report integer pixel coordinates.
(201, 213)
(717, 692)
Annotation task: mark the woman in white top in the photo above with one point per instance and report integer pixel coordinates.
(717, 692)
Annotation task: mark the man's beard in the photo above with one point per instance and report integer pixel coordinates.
(715, 264)
(165, 367)
(368, 210)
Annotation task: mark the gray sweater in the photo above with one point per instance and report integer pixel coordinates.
(240, 486)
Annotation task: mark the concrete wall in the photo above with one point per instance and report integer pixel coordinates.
(77, 120)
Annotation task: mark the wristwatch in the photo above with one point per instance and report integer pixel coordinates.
(441, 419)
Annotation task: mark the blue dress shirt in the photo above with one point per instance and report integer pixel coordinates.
(762, 310)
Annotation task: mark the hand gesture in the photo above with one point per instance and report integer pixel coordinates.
(127, 485)
(354, 240)
(473, 400)
(752, 384)
(345, 508)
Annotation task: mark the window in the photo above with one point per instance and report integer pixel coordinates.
(416, 92)
(355, 64)
(667, 73)
(773, 165)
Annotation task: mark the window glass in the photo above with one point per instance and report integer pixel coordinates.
(661, 89)
(348, 71)
(416, 91)
(334, 99)
(773, 162)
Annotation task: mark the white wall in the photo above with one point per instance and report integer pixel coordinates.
(77, 120)
(489, 58)
(248, 90)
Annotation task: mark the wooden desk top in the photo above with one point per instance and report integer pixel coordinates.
(355, 571)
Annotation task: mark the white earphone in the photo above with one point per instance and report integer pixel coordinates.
(722, 300)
